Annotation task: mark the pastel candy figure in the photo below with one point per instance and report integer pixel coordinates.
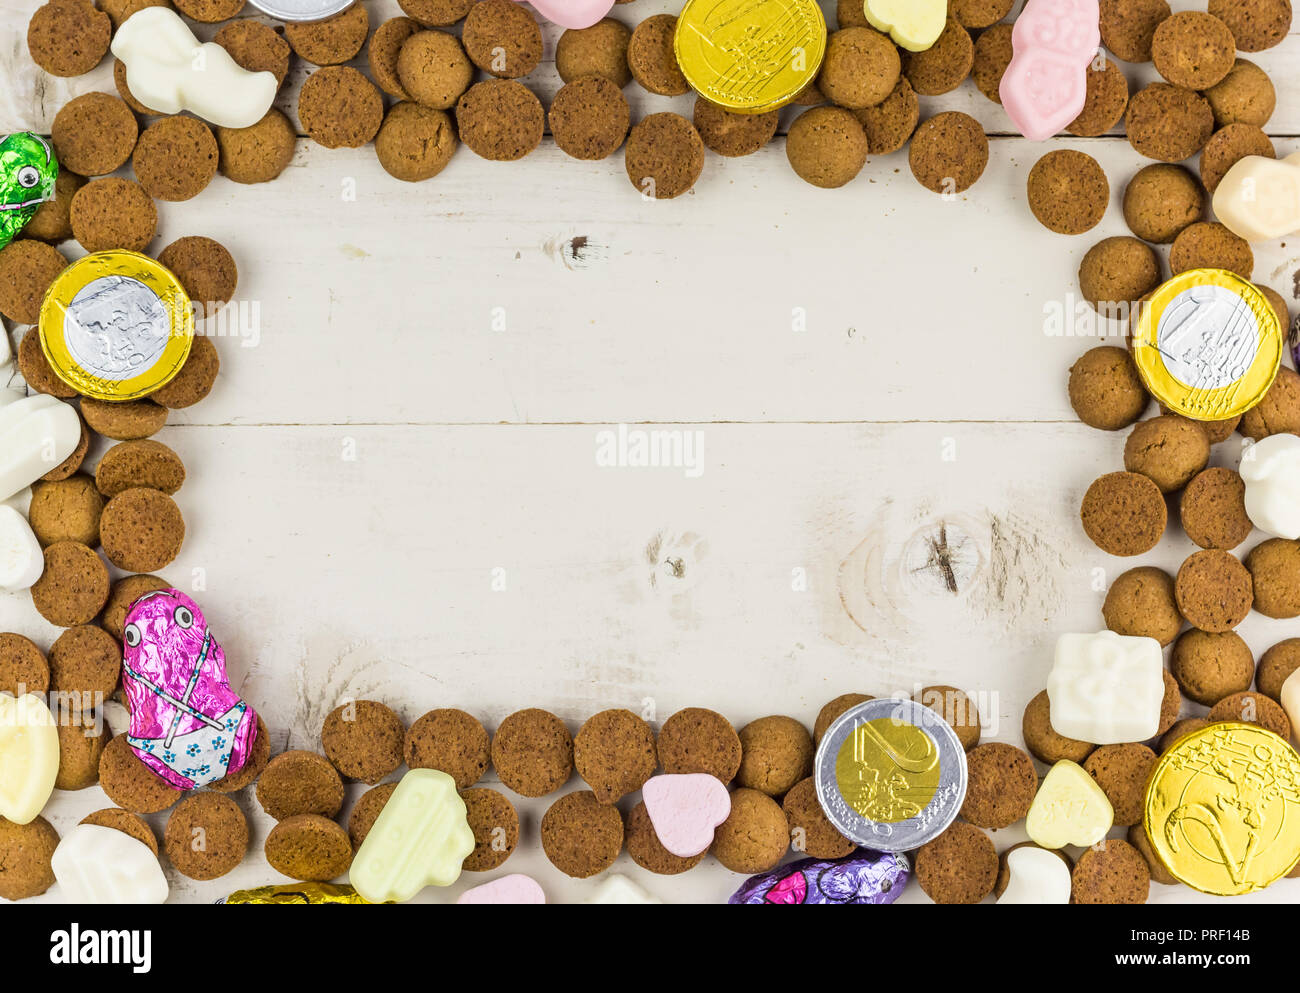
(1046, 84)
(1271, 470)
(420, 839)
(573, 13)
(1259, 198)
(21, 559)
(102, 865)
(1036, 877)
(1106, 688)
(28, 170)
(913, 24)
(863, 877)
(1069, 809)
(29, 756)
(187, 724)
(617, 888)
(167, 69)
(513, 889)
(685, 809)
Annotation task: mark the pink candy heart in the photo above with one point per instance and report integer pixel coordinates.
(573, 13)
(517, 888)
(1046, 84)
(684, 810)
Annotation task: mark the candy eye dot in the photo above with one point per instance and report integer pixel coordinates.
(184, 617)
(28, 177)
(131, 636)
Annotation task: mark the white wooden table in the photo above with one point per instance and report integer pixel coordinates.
(394, 489)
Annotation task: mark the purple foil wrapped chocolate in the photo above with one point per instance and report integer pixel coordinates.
(187, 725)
(863, 877)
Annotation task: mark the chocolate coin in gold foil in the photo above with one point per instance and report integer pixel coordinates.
(296, 893)
(1223, 809)
(750, 56)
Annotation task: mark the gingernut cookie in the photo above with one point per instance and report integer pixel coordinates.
(1213, 509)
(130, 783)
(580, 835)
(436, 13)
(945, 65)
(1274, 567)
(206, 836)
(1121, 771)
(1171, 704)
(433, 69)
(385, 45)
(51, 222)
(614, 753)
(451, 741)
(340, 108)
(415, 142)
(1110, 872)
(1068, 191)
(141, 530)
(648, 851)
(363, 739)
(980, 13)
(36, 371)
(68, 37)
(205, 269)
(1252, 708)
(126, 822)
(94, 134)
(500, 120)
(330, 42)
(1124, 513)
(25, 853)
(699, 740)
(1128, 27)
(112, 213)
(728, 133)
(1001, 787)
(1278, 412)
(993, 51)
(1106, 101)
(1141, 604)
(589, 118)
(148, 464)
(27, 268)
(255, 46)
(209, 11)
(1116, 273)
(72, 463)
(85, 660)
(600, 50)
(651, 59)
(300, 782)
(196, 378)
(665, 155)
(257, 761)
(81, 743)
(1246, 96)
(754, 836)
(777, 752)
(861, 68)
(959, 866)
(532, 752)
(1168, 123)
(1275, 665)
(495, 824)
(807, 825)
(833, 709)
(308, 847)
(826, 146)
(890, 124)
(502, 38)
(1210, 666)
(1228, 146)
(850, 13)
(74, 586)
(23, 668)
(1210, 245)
(1105, 389)
(132, 421)
(1214, 591)
(258, 153)
(1193, 49)
(367, 810)
(1167, 450)
(957, 709)
(1278, 303)
(125, 592)
(1180, 730)
(1161, 201)
(948, 152)
(175, 158)
(1255, 24)
(1137, 837)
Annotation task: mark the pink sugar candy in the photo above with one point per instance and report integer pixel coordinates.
(684, 809)
(1046, 84)
(516, 888)
(573, 13)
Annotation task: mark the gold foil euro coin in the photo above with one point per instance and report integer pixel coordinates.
(750, 56)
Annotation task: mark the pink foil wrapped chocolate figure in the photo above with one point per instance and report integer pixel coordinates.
(573, 13)
(1046, 84)
(187, 724)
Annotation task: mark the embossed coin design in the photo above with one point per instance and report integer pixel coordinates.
(116, 326)
(1208, 344)
(891, 774)
(1222, 809)
(750, 56)
(302, 10)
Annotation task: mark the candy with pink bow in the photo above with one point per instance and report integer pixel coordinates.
(573, 13)
(1046, 84)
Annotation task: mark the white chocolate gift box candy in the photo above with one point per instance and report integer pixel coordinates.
(21, 559)
(37, 433)
(102, 865)
(29, 756)
(168, 70)
(1037, 876)
(1259, 198)
(1271, 470)
(617, 888)
(1106, 688)
(1069, 809)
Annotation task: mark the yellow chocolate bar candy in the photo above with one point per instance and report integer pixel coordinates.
(914, 24)
(419, 839)
(29, 757)
(1069, 809)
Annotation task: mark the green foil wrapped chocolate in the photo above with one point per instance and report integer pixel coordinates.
(28, 170)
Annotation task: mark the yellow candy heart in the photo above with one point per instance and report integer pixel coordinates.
(914, 24)
(1069, 809)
